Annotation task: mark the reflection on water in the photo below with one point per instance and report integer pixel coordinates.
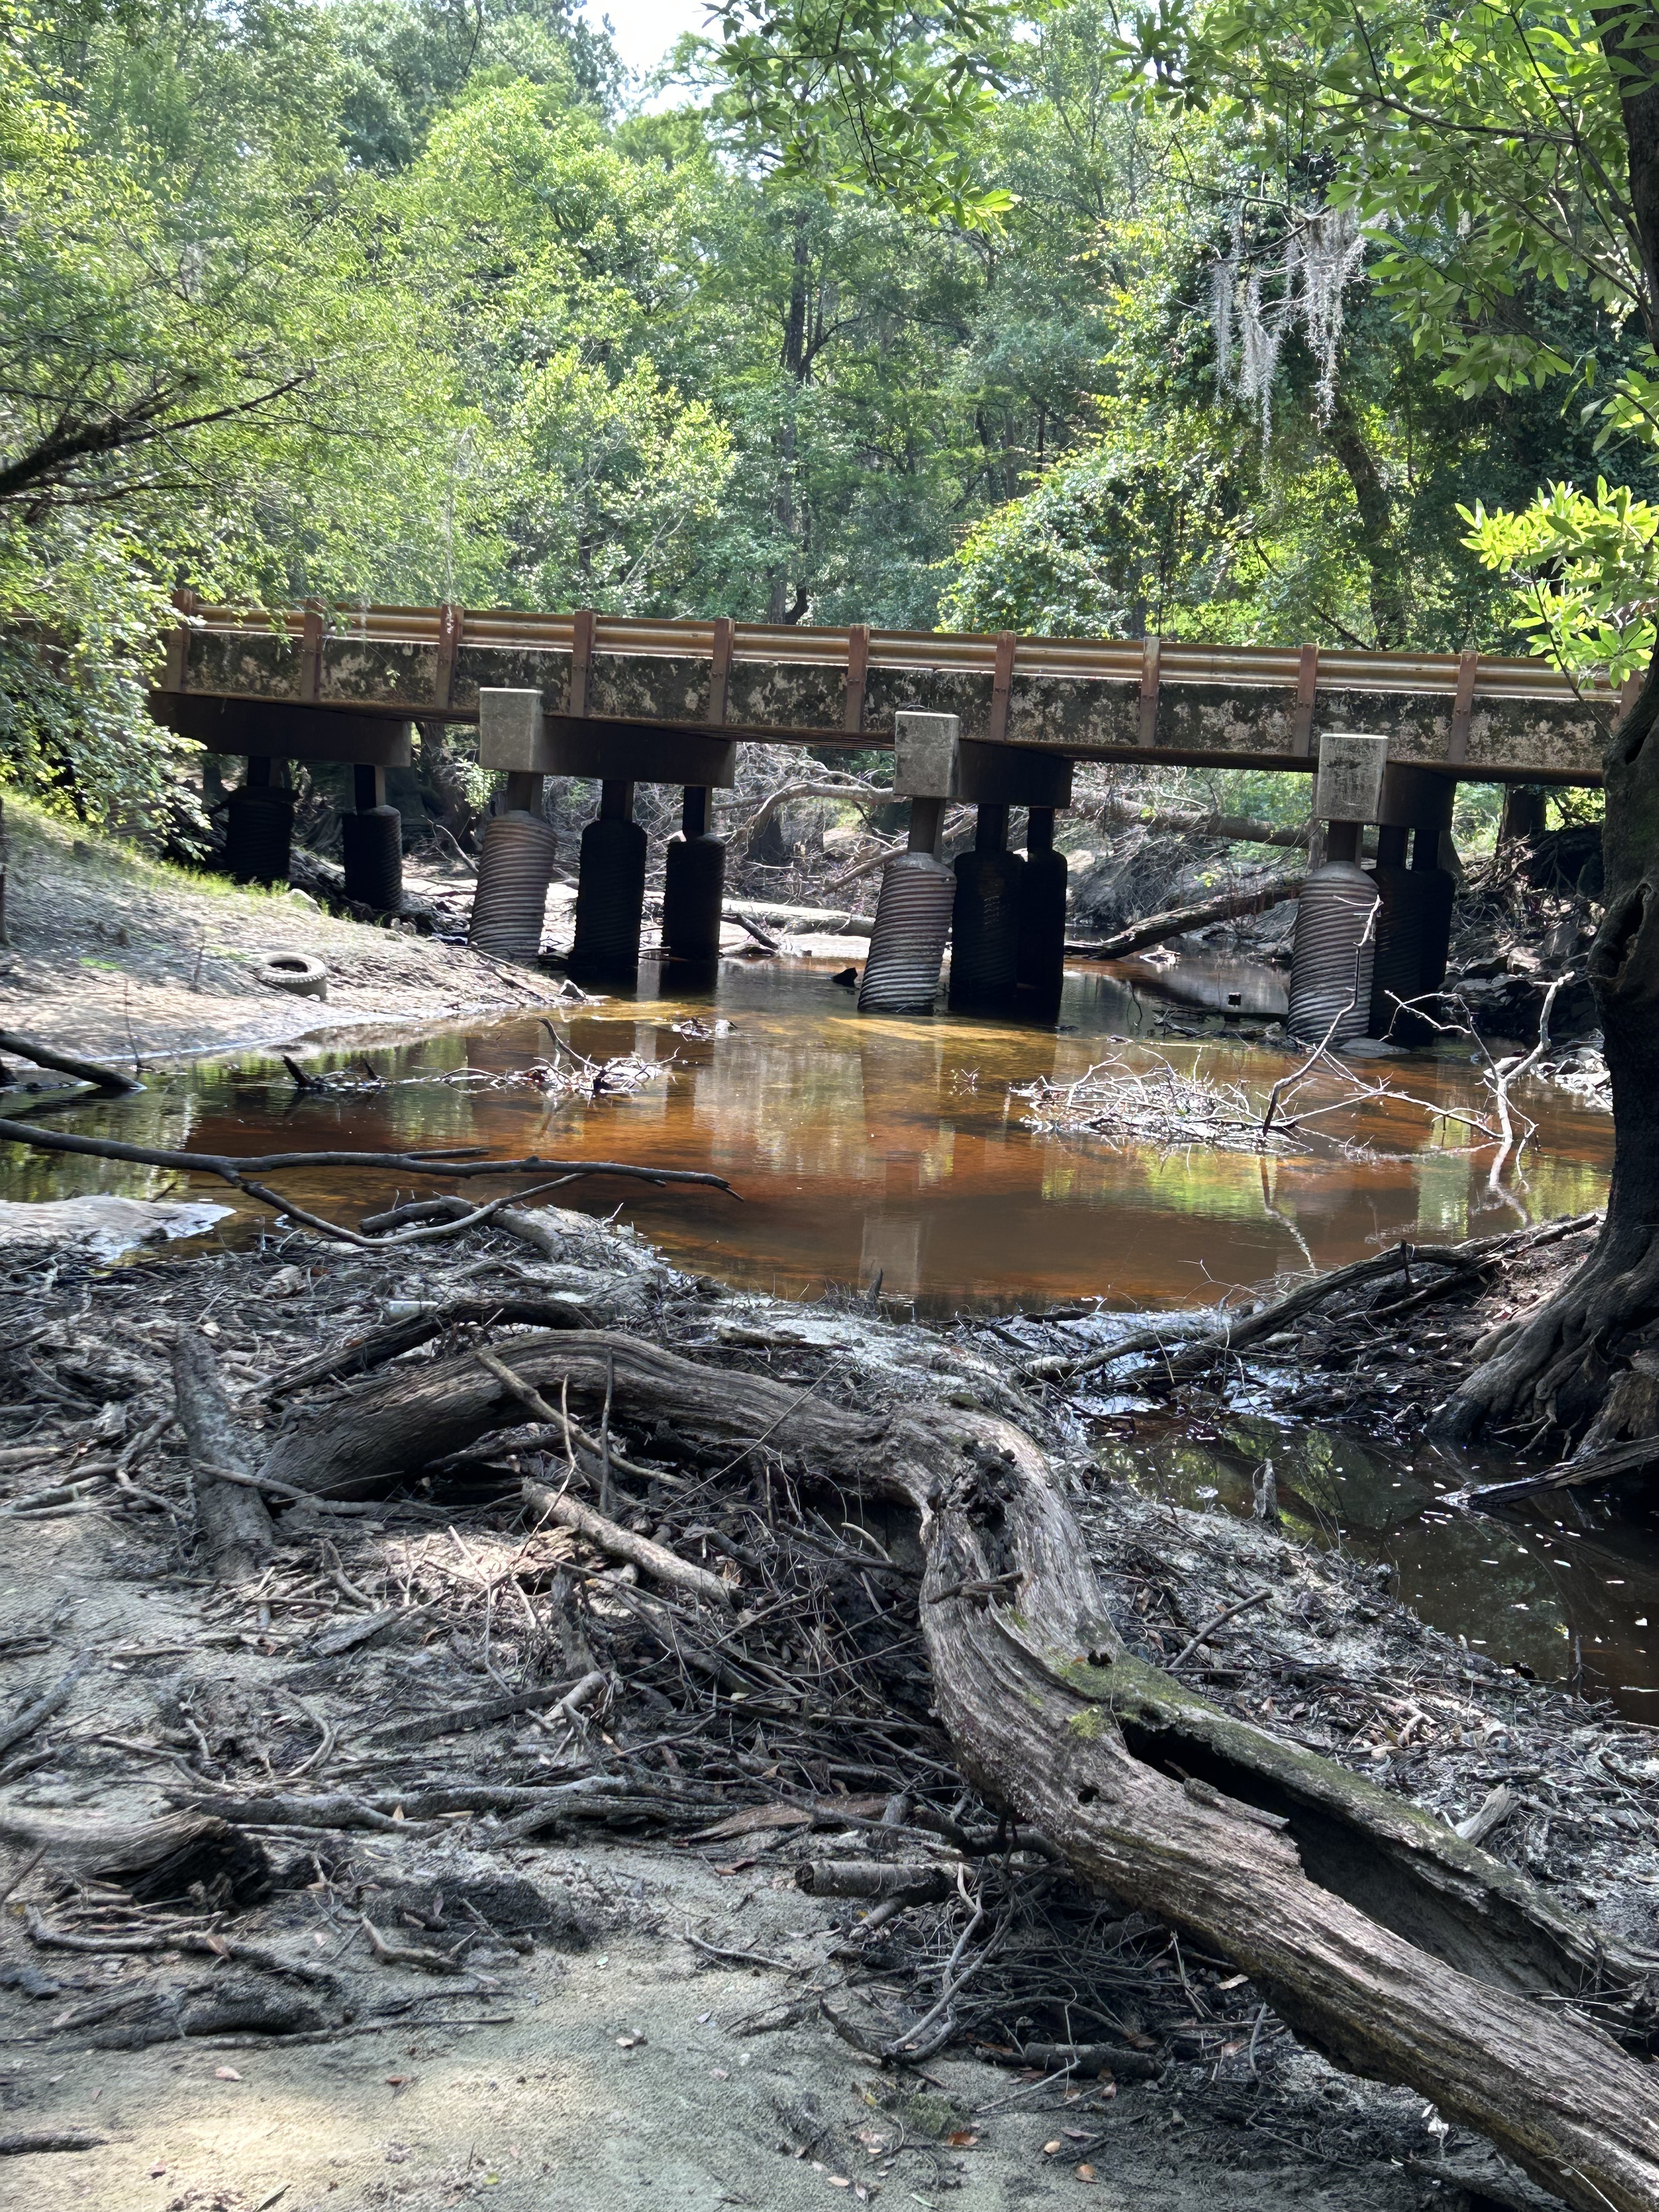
(1239, 989)
(1566, 1588)
(882, 1146)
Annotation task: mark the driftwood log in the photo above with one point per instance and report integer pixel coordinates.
(1380, 1936)
(67, 1063)
(232, 1525)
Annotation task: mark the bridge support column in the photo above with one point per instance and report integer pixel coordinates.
(1399, 957)
(610, 892)
(373, 838)
(259, 826)
(695, 884)
(1431, 822)
(913, 911)
(1334, 951)
(1041, 917)
(985, 919)
(932, 764)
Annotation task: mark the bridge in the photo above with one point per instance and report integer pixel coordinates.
(994, 721)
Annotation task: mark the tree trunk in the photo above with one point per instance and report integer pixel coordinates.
(1390, 602)
(1555, 1362)
(1378, 1933)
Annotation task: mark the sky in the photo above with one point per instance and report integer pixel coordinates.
(644, 30)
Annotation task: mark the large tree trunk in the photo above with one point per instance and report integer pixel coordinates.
(1379, 1933)
(1555, 1362)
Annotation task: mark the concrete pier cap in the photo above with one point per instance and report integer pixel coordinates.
(1349, 785)
(516, 736)
(932, 759)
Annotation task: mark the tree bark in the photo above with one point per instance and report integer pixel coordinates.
(1377, 1932)
(1390, 601)
(232, 1524)
(1555, 1362)
(1558, 1360)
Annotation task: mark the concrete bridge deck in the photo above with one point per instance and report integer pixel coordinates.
(341, 685)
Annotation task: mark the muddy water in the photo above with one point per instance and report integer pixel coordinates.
(894, 1148)
(891, 1147)
(1568, 1588)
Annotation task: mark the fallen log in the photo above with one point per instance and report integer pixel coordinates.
(1375, 1932)
(798, 921)
(66, 1063)
(1177, 922)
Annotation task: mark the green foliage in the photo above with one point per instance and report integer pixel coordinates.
(914, 318)
(1586, 573)
(1137, 535)
(863, 95)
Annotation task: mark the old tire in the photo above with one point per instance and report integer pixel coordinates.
(297, 973)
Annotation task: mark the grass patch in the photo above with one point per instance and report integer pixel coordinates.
(32, 828)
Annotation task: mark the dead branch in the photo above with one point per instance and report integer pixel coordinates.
(45, 1706)
(850, 793)
(66, 1063)
(651, 1558)
(203, 1944)
(1233, 1335)
(375, 1346)
(462, 1161)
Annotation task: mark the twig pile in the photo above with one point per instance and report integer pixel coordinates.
(1160, 1105)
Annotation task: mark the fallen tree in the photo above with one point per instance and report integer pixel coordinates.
(1177, 922)
(847, 793)
(1381, 1935)
(93, 1072)
(1233, 829)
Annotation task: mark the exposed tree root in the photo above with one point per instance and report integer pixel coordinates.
(1381, 1935)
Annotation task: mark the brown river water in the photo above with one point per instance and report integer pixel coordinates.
(896, 1147)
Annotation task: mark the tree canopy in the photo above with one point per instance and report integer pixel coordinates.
(1230, 322)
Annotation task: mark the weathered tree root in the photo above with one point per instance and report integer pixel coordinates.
(1376, 1933)
(157, 1861)
(1554, 1362)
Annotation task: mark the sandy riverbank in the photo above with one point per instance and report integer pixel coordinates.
(111, 955)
